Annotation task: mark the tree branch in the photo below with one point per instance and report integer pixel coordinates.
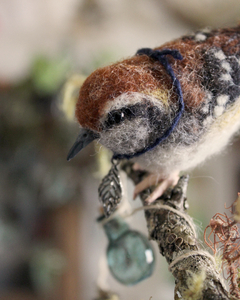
(174, 231)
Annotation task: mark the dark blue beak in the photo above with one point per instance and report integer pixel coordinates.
(85, 137)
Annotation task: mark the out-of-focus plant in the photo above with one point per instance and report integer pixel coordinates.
(224, 240)
(48, 74)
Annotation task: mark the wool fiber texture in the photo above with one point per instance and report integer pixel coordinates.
(132, 103)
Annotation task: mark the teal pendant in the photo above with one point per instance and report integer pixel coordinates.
(130, 255)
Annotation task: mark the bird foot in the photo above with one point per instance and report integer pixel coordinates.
(161, 185)
(137, 167)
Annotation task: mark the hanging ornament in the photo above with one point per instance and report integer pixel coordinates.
(110, 190)
(130, 255)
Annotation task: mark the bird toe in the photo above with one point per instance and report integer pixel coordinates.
(162, 187)
(150, 180)
(162, 184)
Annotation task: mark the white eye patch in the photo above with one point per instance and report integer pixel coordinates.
(128, 137)
(132, 98)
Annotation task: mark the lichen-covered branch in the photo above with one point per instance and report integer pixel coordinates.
(171, 227)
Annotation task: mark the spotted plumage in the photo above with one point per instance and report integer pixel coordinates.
(131, 104)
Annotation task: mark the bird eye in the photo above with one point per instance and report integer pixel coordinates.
(115, 117)
(118, 117)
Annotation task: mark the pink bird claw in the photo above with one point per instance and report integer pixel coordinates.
(161, 185)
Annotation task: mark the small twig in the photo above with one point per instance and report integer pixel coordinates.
(194, 269)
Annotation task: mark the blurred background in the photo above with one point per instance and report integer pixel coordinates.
(50, 244)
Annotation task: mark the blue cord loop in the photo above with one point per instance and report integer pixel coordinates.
(161, 56)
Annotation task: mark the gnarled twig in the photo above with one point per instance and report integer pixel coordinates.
(171, 227)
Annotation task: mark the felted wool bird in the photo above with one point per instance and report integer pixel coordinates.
(167, 109)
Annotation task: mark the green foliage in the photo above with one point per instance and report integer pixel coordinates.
(48, 74)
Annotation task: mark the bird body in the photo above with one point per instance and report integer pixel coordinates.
(131, 104)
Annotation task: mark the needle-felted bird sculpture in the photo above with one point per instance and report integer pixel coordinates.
(167, 108)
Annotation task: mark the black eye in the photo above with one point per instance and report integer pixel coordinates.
(118, 117)
(115, 117)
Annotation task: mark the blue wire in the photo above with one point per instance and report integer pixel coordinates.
(161, 57)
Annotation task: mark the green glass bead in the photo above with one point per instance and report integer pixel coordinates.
(130, 255)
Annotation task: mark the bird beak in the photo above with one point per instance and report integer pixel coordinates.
(85, 137)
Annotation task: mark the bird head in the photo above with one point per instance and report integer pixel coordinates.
(127, 106)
